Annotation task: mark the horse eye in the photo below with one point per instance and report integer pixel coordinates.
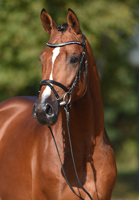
(74, 60)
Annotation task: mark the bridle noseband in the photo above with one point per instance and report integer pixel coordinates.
(78, 74)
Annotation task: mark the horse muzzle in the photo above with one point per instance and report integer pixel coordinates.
(46, 113)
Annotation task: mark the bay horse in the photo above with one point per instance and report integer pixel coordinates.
(61, 151)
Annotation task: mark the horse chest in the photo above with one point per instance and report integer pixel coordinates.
(49, 176)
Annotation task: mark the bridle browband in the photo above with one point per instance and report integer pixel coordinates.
(68, 105)
(78, 74)
(65, 43)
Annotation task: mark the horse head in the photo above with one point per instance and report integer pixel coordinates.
(64, 69)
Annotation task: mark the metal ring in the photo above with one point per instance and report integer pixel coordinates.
(62, 103)
(68, 96)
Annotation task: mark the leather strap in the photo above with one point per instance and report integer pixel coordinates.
(47, 81)
(64, 44)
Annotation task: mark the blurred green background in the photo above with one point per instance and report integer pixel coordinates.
(112, 28)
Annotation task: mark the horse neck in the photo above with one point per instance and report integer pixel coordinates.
(87, 113)
(86, 121)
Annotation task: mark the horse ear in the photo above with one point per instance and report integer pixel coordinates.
(47, 22)
(73, 21)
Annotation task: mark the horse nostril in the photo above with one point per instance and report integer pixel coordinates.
(46, 113)
(48, 109)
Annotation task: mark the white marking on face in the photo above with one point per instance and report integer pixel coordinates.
(47, 92)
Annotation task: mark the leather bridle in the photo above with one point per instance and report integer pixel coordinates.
(78, 75)
(67, 105)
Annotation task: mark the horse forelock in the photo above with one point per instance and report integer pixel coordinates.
(62, 27)
(64, 33)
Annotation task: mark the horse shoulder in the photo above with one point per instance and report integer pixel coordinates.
(18, 133)
(17, 101)
(14, 106)
(105, 167)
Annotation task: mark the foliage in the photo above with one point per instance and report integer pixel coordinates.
(127, 185)
(108, 25)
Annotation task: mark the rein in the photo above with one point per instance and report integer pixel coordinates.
(67, 106)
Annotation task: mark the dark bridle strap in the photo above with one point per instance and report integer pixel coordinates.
(62, 165)
(52, 88)
(64, 44)
(71, 150)
(48, 81)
